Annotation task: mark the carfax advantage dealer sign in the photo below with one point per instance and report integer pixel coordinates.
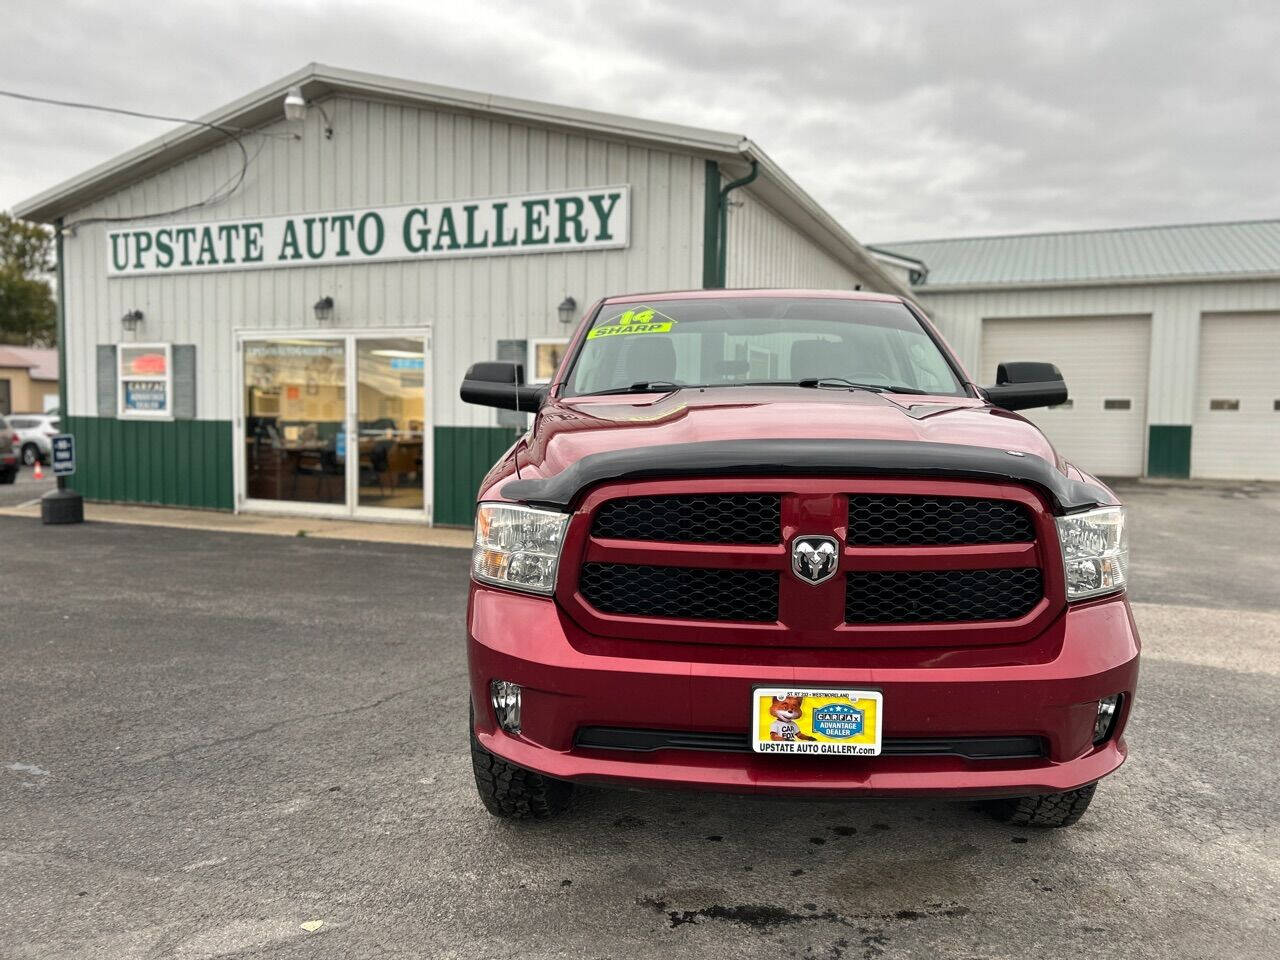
(593, 219)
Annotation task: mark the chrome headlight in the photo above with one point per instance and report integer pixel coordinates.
(1095, 552)
(518, 547)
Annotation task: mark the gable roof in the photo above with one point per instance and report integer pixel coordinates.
(41, 363)
(1244, 249)
(317, 81)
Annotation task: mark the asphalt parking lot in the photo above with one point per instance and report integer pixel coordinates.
(220, 745)
(25, 487)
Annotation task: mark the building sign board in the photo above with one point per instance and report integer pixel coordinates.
(598, 218)
(64, 454)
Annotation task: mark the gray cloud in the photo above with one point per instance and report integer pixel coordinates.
(906, 119)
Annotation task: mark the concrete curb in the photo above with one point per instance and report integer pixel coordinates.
(263, 524)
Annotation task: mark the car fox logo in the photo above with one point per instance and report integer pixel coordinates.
(814, 559)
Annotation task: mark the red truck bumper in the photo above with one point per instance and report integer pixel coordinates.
(1048, 688)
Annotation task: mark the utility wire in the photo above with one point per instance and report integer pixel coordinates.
(220, 195)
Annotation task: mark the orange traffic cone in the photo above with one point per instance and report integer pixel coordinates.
(39, 471)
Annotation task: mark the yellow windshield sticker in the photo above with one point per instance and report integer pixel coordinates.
(644, 320)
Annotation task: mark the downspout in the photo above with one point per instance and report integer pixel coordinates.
(723, 239)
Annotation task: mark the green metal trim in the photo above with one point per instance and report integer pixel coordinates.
(1168, 450)
(711, 226)
(463, 455)
(722, 269)
(178, 463)
(61, 282)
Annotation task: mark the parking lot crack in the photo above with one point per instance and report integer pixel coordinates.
(276, 725)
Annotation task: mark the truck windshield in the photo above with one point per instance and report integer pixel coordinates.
(739, 341)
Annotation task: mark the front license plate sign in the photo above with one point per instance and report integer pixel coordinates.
(827, 721)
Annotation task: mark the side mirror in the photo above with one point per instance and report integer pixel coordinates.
(497, 383)
(1020, 386)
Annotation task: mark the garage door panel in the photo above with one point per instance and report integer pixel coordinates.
(1235, 432)
(1104, 361)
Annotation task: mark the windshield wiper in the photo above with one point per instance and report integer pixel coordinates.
(641, 386)
(814, 382)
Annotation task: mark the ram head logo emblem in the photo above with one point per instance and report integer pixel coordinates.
(814, 559)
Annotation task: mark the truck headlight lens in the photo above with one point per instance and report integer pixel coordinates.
(1095, 552)
(518, 547)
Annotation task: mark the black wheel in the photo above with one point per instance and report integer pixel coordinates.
(8, 476)
(30, 454)
(514, 793)
(1047, 810)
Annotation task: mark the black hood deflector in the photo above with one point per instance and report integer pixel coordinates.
(804, 457)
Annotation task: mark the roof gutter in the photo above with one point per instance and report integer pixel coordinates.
(928, 289)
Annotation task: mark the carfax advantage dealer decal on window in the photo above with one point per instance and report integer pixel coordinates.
(594, 219)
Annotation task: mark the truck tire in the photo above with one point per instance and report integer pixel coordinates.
(515, 793)
(1047, 810)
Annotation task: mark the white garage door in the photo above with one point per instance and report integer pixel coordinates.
(1102, 428)
(1235, 433)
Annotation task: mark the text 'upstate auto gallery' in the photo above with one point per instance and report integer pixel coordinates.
(297, 346)
(578, 221)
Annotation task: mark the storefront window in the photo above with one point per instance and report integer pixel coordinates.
(544, 359)
(295, 408)
(145, 380)
(391, 413)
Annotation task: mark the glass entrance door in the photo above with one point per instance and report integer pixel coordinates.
(335, 424)
(390, 416)
(295, 410)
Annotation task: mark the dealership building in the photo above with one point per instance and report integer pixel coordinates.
(271, 309)
(1168, 337)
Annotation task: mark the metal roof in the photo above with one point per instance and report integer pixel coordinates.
(317, 81)
(1129, 255)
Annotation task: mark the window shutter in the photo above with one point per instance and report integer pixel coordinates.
(184, 381)
(107, 385)
(513, 351)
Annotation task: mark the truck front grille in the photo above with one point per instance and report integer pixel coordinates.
(941, 559)
(684, 593)
(941, 596)
(876, 520)
(712, 518)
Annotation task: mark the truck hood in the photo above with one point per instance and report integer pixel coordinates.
(566, 430)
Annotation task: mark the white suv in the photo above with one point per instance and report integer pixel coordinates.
(34, 431)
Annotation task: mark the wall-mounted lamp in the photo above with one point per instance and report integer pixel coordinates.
(295, 111)
(567, 306)
(132, 320)
(324, 309)
(295, 107)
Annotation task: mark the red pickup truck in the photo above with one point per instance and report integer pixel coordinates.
(780, 542)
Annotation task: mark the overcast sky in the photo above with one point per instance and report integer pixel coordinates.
(905, 119)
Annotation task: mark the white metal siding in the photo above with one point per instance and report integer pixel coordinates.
(1100, 358)
(1175, 310)
(767, 251)
(1238, 362)
(384, 154)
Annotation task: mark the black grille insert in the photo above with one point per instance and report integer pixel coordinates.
(692, 593)
(941, 596)
(919, 521)
(748, 518)
(972, 748)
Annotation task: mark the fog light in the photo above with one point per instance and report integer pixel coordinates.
(505, 697)
(1107, 707)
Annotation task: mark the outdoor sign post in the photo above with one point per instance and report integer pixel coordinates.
(64, 454)
(62, 505)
